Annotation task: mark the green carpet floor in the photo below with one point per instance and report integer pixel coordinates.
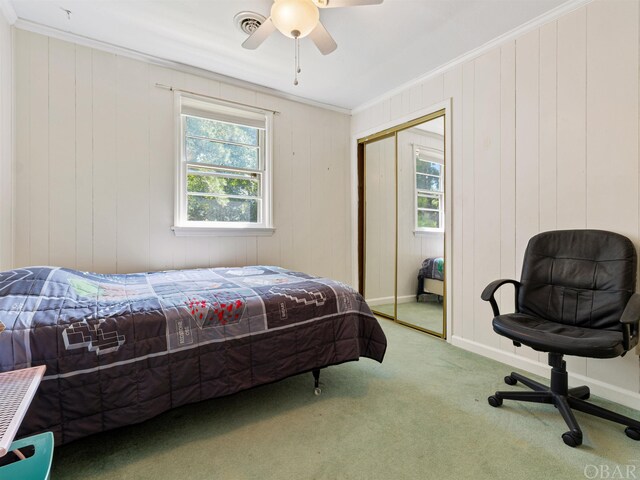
(422, 414)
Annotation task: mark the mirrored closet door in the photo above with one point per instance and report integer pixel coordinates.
(380, 221)
(403, 223)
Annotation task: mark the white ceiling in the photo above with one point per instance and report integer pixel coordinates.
(379, 47)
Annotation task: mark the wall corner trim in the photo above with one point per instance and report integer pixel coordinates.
(7, 10)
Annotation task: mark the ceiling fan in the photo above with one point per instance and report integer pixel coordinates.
(300, 18)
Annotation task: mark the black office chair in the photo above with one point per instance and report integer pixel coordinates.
(577, 297)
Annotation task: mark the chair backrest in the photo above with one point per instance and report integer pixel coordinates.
(578, 277)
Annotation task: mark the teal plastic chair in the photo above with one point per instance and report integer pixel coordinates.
(35, 467)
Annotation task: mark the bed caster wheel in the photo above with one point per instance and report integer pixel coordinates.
(317, 391)
(509, 380)
(632, 433)
(494, 401)
(572, 439)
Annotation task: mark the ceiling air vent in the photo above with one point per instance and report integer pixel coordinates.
(248, 22)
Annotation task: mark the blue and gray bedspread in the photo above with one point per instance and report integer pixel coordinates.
(432, 268)
(120, 349)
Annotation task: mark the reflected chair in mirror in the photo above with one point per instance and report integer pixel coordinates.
(576, 296)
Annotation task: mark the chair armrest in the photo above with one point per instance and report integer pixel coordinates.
(629, 319)
(631, 312)
(490, 290)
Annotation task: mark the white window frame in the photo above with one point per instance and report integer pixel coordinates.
(434, 156)
(217, 110)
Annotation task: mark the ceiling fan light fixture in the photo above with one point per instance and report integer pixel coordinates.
(295, 18)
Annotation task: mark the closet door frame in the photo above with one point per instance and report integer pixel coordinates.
(391, 129)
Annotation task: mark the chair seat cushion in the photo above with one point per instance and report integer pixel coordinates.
(547, 336)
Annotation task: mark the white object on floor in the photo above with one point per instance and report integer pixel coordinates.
(17, 389)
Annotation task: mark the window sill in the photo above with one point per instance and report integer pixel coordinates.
(222, 231)
(419, 233)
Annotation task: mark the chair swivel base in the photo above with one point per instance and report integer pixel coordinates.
(565, 399)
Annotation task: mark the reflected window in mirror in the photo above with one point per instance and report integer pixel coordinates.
(429, 189)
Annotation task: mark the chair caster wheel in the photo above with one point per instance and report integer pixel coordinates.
(494, 401)
(632, 433)
(509, 380)
(317, 391)
(572, 439)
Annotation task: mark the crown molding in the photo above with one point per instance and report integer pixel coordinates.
(7, 10)
(163, 62)
(537, 22)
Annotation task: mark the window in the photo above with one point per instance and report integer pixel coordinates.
(429, 170)
(224, 178)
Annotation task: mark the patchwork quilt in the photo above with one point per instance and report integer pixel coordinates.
(120, 349)
(432, 268)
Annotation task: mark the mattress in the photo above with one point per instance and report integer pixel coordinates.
(433, 286)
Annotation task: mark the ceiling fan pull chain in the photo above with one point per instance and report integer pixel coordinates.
(297, 60)
(298, 69)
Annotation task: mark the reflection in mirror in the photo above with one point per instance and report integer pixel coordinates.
(421, 226)
(380, 222)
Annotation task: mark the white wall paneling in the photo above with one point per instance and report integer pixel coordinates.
(612, 142)
(467, 209)
(62, 179)
(486, 225)
(132, 165)
(526, 159)
(547, 125)
(38, 136)
(545, 135)
(95, 169)
(161, 173)
(6, 142)
(83, 201)
(104, 184)
(508, 267)
(21, 256)
(571, 120)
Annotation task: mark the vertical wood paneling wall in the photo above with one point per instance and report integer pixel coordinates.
(6, 143)
(545, 136)
(95, 157)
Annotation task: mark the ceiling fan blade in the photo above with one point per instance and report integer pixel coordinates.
(260, 35)
(323, 40)
(345, 3)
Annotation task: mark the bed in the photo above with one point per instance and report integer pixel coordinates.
(431, 278)
(120, 349)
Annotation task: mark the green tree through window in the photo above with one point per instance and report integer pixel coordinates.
(224, 176)
(429, 192)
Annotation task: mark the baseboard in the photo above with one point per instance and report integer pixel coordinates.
(372, 302)
(602, 389)
(407, 298)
